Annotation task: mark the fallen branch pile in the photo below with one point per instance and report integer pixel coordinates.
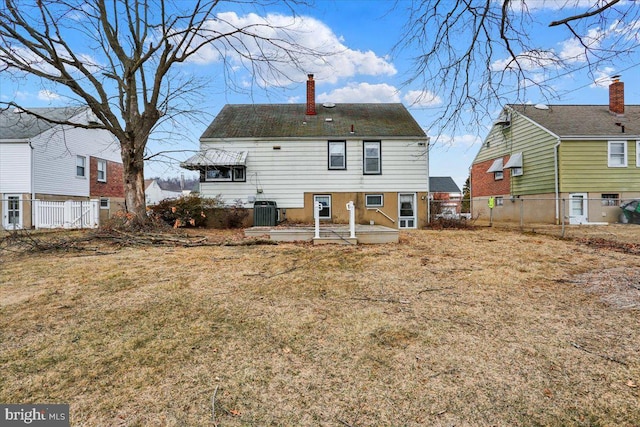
(26, 241)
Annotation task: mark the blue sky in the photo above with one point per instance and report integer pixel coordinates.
(364, 69)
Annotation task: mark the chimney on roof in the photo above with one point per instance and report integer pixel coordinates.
(616, 96)
(311, 96)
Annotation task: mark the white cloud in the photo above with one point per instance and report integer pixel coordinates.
(573, 50)
(550, 4)
(462, 141)
(362, 92)
(421, 99)
(305, 45)
(527, 61)
(603, 77)
(47, 95)
(31, 60)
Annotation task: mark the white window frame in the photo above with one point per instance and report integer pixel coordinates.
(369, 145)
(104, 205)
(499, 201)
(239, 174)
(638, 154)
(498, 175)
(81, 164)
(327, 197)
(342, 153)
(236, 174)
(624, 154)
(369, 204)
(102, 167)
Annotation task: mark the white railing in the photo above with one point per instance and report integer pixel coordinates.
(68, 214)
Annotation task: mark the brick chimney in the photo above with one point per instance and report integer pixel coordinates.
(616, 96)
(311, 96)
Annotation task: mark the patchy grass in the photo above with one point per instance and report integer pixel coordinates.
(452, 327)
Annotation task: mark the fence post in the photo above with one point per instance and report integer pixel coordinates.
(35, 206)
(95, 213)
(562, 217)
(521, 214)
(68, 214)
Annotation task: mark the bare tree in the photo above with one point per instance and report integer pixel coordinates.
(121, 57)
(479, 54)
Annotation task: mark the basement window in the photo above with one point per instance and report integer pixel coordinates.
(374, 200)
(610, 199)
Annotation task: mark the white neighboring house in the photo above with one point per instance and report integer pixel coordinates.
(45, 161)
(154, 194)
(293, 155)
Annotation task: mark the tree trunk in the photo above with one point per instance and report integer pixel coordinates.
(133, 171)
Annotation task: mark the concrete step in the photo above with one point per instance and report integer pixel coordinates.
(335, 240)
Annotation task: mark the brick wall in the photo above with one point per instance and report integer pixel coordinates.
(114, 187)
(483, 183)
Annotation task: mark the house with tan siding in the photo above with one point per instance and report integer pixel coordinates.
(548, 163)
(293, 155)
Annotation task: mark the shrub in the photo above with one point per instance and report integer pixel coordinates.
(187, 211)
(233, 216)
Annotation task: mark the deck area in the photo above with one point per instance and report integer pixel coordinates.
(329, 234)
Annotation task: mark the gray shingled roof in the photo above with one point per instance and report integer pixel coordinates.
(583, 120)
(289, 120)
(20, 125)
(443, 184)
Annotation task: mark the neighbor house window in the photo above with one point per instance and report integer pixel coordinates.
(374, 200)
(499, 201)
(497, 169)
(81, 166)
(617, 154)
(372, 159)
(104, 203)
(516, 171)
(325, 200)
(638, 154)
(225, 173)
(102, 170)
(337, 155)
(611, 199)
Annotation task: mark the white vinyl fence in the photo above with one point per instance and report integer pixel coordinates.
(68, 214)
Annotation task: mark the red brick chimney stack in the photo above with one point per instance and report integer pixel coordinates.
(616, 96)
(311, 96)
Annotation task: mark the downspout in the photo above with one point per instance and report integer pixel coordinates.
(32, 187)
(557, 179)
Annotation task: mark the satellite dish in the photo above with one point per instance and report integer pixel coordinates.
(328, 105)
(541, 106)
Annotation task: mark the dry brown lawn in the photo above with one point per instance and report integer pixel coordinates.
(457, 327)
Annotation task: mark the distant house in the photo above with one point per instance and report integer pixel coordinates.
(446, 196)
(537, 156)
(154, 193)
(296, 154)
(45, 161)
